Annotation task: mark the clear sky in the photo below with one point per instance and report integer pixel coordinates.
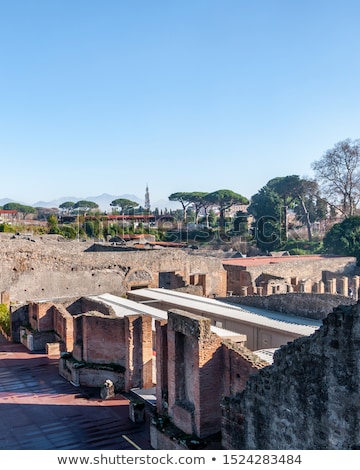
(105, 96)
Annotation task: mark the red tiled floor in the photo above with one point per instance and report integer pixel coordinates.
(41, 410)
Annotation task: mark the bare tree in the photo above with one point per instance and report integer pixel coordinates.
(338, 173)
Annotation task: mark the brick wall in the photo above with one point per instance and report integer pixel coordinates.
(64, 327)
(195, 367)
(100, 339)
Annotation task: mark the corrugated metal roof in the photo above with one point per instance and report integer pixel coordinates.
(123, 307)
(258, 317)
(266, 355)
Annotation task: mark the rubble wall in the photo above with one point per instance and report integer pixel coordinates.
(316, 306)
(37, 270)
(309, 397)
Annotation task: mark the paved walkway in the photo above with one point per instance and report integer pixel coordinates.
(41, 410)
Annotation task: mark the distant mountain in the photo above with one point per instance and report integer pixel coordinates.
(165, 203)
(103, 201)
(5, 201)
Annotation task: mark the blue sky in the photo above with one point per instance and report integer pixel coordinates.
(105, 96)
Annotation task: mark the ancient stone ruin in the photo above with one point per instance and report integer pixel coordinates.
(308, 398)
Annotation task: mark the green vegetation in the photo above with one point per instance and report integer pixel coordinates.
(301, 247)
(123, 205)
(288, 213)
(344, 238)
(5, 319)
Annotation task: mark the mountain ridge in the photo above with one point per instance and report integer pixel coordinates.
(103, 201)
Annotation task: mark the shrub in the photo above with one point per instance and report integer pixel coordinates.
(5, 319)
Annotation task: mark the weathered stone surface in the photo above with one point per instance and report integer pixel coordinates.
(316, 306)
(308, 399)
(40, 270)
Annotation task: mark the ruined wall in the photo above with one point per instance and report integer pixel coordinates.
(85, 304)
(139, 351)
(64, 327)
(19, 315)
(195, 368)
(293, 268)
(39, 270)
(316, 306)
(307, 268)
(120, 344)
(309, 397)
(41, 316)
(238, 364)
(99, 339)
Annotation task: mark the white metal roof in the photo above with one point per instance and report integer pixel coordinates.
(123, 307)
(266, 355)
(258, 317)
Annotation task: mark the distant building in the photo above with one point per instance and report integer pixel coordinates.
(147, 198)
(8, 216)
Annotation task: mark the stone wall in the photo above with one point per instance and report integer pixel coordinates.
(309, 397)
(316, 306)
(19, 316)
(299, 273)
(39, 270)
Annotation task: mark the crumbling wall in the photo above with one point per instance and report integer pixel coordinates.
(99, 339)
(120, 345)
(38, 270)
(195, 368)
(316, 306)
(309, 397)
(301, 274)
(64, 327)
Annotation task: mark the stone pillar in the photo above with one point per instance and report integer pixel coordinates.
(259, 290)
(355, 287)
(243, 291)
(331, 286)
(344, 286)
(320, 287)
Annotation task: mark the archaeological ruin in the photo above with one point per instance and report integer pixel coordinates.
(214, 385)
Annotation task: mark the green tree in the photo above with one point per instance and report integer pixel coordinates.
(21, 208)
(89, 228)
(67, 206)
(198, 202)
(211, 218)
(185, 200)
(85, 206)
(299, 194)
(123, 205)
(344, 238)
(224, 199)
(68, 231)
(265, 207)
(52, 224)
